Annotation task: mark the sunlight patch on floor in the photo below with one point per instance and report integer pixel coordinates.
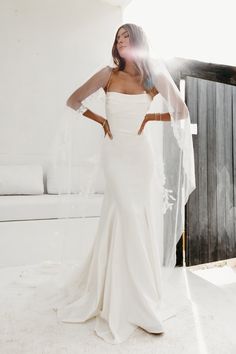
(196, 318)
(218, 273)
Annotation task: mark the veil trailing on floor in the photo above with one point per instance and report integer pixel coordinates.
(77, 146)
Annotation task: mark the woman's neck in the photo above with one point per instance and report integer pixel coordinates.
(130, 68)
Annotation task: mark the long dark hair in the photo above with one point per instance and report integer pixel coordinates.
(138, 40)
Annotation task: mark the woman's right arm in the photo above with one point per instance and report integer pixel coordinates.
(75, 101)
(98, 80)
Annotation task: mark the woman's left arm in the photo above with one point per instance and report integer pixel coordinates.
(162, 117)
(166, 86)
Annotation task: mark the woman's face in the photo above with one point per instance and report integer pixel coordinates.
(123, 44)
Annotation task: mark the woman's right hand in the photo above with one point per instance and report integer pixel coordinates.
(107, 130)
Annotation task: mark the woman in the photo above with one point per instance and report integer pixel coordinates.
(121, 281)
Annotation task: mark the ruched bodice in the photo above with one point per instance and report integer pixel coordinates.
(125, 112)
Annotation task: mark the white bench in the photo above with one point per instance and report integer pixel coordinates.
(37, 228)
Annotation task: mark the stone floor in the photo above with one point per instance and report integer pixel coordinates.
(205, 325)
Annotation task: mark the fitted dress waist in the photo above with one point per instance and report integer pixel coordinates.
(125, 113)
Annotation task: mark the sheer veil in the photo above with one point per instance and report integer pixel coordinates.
(172, 148)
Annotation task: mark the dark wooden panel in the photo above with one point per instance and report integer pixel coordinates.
(211, 171)
(233, 212)
(202, 168)
(221, 172)
(192, 224)
(210, 224)
(182, 67)
(228, 170)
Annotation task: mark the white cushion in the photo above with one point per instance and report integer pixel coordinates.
(58, 180)
(21, 179)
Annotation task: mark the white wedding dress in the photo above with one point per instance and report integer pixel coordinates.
(120, 282)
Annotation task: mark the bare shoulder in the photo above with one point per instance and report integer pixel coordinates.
(109, 68)
(115, 70)
(111, 71)
(105, 70)
(153, 92)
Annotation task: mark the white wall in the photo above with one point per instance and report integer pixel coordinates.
(47, 49)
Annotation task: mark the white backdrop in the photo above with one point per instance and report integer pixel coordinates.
(47, 49)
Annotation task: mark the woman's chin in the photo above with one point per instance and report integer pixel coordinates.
(126, 55)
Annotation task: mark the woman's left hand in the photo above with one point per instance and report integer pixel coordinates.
(143, 124)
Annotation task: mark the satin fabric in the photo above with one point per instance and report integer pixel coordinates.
(121, 282)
